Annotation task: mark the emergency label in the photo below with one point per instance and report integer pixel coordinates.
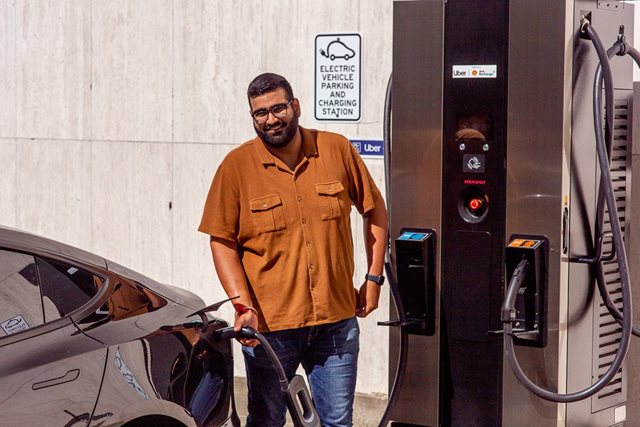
(475, 71)
(338, 73)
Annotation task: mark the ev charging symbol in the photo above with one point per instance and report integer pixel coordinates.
(473, 163)
(337, 49)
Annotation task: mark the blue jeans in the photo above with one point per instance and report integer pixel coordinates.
(329, 356)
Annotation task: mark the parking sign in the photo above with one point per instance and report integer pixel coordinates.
(338, 73)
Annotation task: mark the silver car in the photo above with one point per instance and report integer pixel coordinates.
(87, 342)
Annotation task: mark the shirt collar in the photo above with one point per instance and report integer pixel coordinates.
(309, 147)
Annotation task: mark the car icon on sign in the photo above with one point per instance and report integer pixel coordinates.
(337, 49)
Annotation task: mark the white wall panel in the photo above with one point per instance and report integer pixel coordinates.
(137, 101)
(8, 68)
(218, 50)
(53, 69)
(130, 199)
(193, 168)
(8, 186)
(376, 19)
(53, 184)
(282, 35)
(373, 363)
(242, 54)
(198, 101)
(131, 70)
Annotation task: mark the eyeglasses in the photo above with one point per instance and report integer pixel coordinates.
(279, 111)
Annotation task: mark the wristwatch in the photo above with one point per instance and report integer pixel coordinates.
(379, 280)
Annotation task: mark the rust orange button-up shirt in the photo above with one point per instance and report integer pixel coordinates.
(293, 227)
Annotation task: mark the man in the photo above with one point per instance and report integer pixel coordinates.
(278, 213)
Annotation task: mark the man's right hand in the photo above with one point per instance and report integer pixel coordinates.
(250, 319)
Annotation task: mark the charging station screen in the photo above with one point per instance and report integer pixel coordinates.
(474, 127)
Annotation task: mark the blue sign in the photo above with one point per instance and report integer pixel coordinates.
(410, 235)
(369, 147)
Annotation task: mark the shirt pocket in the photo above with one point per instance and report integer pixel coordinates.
(330, 203)
(267, 213)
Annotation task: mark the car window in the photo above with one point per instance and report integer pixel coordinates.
(20, 304)
(132, 299)
(65, 288)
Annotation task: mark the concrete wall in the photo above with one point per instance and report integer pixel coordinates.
(114, 115)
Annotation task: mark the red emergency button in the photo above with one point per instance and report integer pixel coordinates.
(475, 204)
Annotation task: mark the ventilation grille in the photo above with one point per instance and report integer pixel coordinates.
(607, 332)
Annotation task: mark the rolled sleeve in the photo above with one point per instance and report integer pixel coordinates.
(220, 216)
(362, 188)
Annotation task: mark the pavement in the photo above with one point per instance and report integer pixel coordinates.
(367, 409)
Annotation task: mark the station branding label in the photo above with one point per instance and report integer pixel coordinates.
(338, 74)
(373, 148)
(475, 71)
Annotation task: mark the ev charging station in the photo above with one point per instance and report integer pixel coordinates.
(494, 180)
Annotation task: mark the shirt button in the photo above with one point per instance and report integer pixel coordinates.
(304, 220)
(264, 205)
(311, 267)
(307, 243)
(299, 198)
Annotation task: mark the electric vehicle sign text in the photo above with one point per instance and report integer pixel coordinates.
(338, 74)
(475, 71)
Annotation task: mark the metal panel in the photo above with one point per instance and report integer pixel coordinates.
(633, 411)
(472, 242)
(540, 157)
(606, 331)
(584, 322)
(538, 129)
(549, 140)
(415, 177)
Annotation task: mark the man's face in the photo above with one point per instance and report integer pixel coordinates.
(281, 122)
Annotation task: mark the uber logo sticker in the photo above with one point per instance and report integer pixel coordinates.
(473, 163)
(474, 71)
(14, 325)
(369, 147)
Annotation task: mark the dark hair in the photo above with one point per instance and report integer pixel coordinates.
(268, 82)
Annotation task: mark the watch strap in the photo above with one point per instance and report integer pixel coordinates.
(379, 280)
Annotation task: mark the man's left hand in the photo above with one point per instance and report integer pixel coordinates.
(368, 297)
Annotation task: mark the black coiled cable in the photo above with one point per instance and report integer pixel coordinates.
(517, 278)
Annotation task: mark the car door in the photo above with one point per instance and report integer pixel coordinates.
(50, 373)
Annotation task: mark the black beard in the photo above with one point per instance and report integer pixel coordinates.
(283, 139)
